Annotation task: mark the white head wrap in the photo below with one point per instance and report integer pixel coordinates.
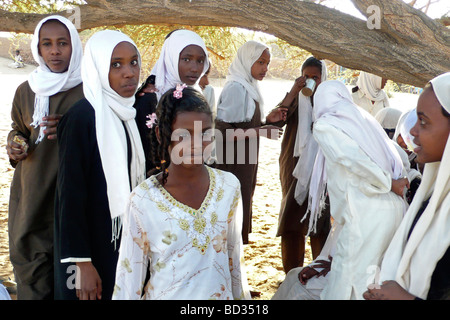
(388, 117)
(46, 83)
(111, 112)
(411, 262)
(305, 146)
(333, 103)
(166, 68)
(240, 72)
(370, 85)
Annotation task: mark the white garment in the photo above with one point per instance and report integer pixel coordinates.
(166, 68)
(412, 262)
(4, 295)
(210, 97)
(293, 289)
(191, 254)
(333, 105)
(111, 112)
(362, 203)
(46, 83)
(388, 117)
(305, 147)
(233, 106)
(370, 90)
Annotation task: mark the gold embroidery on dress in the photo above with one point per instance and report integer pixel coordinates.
(200, 223)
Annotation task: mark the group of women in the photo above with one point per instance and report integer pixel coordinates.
(100, 207)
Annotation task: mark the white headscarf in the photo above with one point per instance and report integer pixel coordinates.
(411, 262)
(166, 68)
(333, 103)
(388, 117)
(240, 72)
(370, 85)
(305, 146)
(46, 83)
(111, 112)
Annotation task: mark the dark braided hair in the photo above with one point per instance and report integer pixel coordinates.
(166, 111)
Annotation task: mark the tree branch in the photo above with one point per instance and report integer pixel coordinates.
(409, 48)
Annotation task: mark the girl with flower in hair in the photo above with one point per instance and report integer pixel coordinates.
(183, 224)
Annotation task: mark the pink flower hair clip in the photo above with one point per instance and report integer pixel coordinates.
(152, 120)
(178, 93)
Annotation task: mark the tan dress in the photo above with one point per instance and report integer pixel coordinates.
(32, 196)
(246, 172)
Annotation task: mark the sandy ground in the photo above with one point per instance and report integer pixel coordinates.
(262, 255)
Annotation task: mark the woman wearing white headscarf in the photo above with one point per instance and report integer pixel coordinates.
(369, 93)
(298, 152)
(183, 59)
(240, 114)
(359, 166)
(52, 88)
(101, 161)
(417, 262)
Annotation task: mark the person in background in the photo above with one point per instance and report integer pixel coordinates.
(208, 91)
(240, 119)
(298, 152)
(369, 93)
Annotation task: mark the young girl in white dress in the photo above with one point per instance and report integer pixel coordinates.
(183, 224)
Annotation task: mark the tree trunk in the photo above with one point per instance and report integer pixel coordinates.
(409, 47)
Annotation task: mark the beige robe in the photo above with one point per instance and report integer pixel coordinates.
(31, 205)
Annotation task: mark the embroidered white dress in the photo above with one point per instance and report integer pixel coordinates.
(191, 254)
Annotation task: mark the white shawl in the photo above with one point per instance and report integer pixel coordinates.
(305, 146)
(166, 68)
(233, 111)
(46, 83)
(370, 85)
(333, 103)
(111, 111)
(412, 262)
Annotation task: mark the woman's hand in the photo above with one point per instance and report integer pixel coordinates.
(389, 290)
(309, 272)
(277, 114)
(51, 122)
(88, 282)
(398, 186)
(17, 151)
(298, 85)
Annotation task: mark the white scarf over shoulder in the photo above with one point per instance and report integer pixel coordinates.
(112, 111)
(370, 85)
(305, 146)
(412, 262)
(46, 83)
(240, 72)
(333, 103)
(166, 68)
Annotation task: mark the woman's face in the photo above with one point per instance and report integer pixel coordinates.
(191, 135)
(191, 64)
(55, 46)
(261, 66)
(124, 70)
(431, 129)
(314, 73)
